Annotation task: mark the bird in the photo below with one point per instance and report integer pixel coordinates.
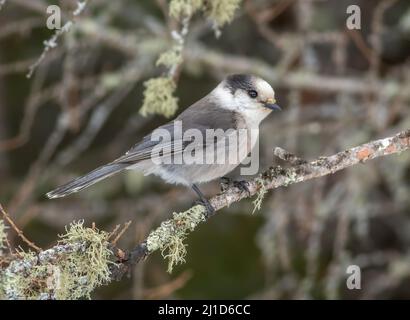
(238, 103)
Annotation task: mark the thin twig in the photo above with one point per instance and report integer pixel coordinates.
(114, 231)
(126, 226)
(167, 289)
(18, 231)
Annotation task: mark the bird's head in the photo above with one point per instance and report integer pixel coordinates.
(249, 95)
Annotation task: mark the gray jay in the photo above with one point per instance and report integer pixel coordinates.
(239, 103)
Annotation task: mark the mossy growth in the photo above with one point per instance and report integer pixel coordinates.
(222, 11)
(171, 58)
(84, 270)
(184, 8)
(170, 236)
(159, 97)
(291, 177)
(159, 92)
(71, 270)
(26, 279)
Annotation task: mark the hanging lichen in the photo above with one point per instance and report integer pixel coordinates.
(170, 236)
(184, 8)
(159, 92)
(159, 97)
(82, 265)
(222, 11)
(257, 203)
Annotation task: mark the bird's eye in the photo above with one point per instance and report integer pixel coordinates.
(252, 93)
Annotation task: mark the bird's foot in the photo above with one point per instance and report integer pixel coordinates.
(242, 185)
(205, 203)
(225, 183)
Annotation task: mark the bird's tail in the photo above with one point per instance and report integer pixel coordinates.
(86, 180)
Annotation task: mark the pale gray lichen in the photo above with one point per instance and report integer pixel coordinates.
(170, 236)
(291, 177)
(70, 270)
(257, 203)
(83, 271)
(180, 9)
(171, 58)
(222, 11)
(25, 279)
(159, 97)
(159, 92)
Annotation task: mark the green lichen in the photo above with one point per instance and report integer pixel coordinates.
(222, 11)
(159, 92)
(159, 97)
(82, 272)
(180, 9)
(171, 58)
(291, 176)
(74, 274)
(257, 203)
(26, 279)
(110, 80)
(170, 236)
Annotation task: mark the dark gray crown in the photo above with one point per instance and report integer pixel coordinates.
(239, 81)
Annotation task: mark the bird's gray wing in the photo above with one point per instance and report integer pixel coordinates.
(202, 115)
(143, 150)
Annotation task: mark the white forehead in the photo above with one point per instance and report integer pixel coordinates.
(264, 88)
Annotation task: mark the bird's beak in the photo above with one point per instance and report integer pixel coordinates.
(271, 104)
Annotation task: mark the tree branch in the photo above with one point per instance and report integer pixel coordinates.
(273, 178)
(170, 235)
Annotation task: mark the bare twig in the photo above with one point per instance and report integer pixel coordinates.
(18, 231)
(167, 289)
(119, 235)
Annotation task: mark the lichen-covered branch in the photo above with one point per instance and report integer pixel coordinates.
(72, 269)
(83, 258)
(170, 235)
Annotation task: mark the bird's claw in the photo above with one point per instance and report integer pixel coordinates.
(205, 203)
(242, 185)
(225, 183)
